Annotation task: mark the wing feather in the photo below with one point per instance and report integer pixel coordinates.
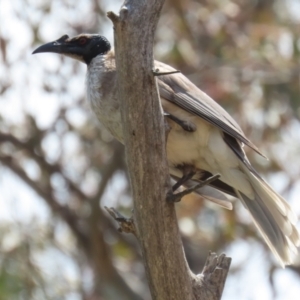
(179, 90)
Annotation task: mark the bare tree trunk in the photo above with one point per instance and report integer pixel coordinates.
(155, 220)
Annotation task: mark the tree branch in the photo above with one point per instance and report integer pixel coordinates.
(108, 280)
(63, 211)
(30, 149)
(154, 218)
(210, 283)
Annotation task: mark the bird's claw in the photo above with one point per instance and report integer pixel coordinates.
(171, 197)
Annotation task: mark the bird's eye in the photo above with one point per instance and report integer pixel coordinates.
(82, 40)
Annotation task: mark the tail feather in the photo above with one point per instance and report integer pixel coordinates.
(273, 217)
(295, 237)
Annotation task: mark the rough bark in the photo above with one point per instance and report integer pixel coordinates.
(154, 219)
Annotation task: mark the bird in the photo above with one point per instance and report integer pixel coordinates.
(203, 140)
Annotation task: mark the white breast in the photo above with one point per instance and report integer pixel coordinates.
(102, 95)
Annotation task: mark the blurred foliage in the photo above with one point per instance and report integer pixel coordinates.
(59, 167)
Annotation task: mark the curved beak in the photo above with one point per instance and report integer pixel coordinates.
(58, 46)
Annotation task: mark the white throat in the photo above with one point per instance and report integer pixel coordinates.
(101, 90)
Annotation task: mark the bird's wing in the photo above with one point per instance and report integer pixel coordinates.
(179, 90)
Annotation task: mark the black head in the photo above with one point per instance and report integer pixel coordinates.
(83, 47)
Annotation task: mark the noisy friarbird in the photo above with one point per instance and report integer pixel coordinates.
(203, 140)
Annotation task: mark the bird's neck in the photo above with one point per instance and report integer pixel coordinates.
(101, 76)
(101, 61)
(97, 64)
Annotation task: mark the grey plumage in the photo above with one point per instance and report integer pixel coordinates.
(214, 147)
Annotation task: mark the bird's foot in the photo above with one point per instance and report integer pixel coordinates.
(126, 224)
(188, 172)
(157, 72)
(185, 125)
(171, 197)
